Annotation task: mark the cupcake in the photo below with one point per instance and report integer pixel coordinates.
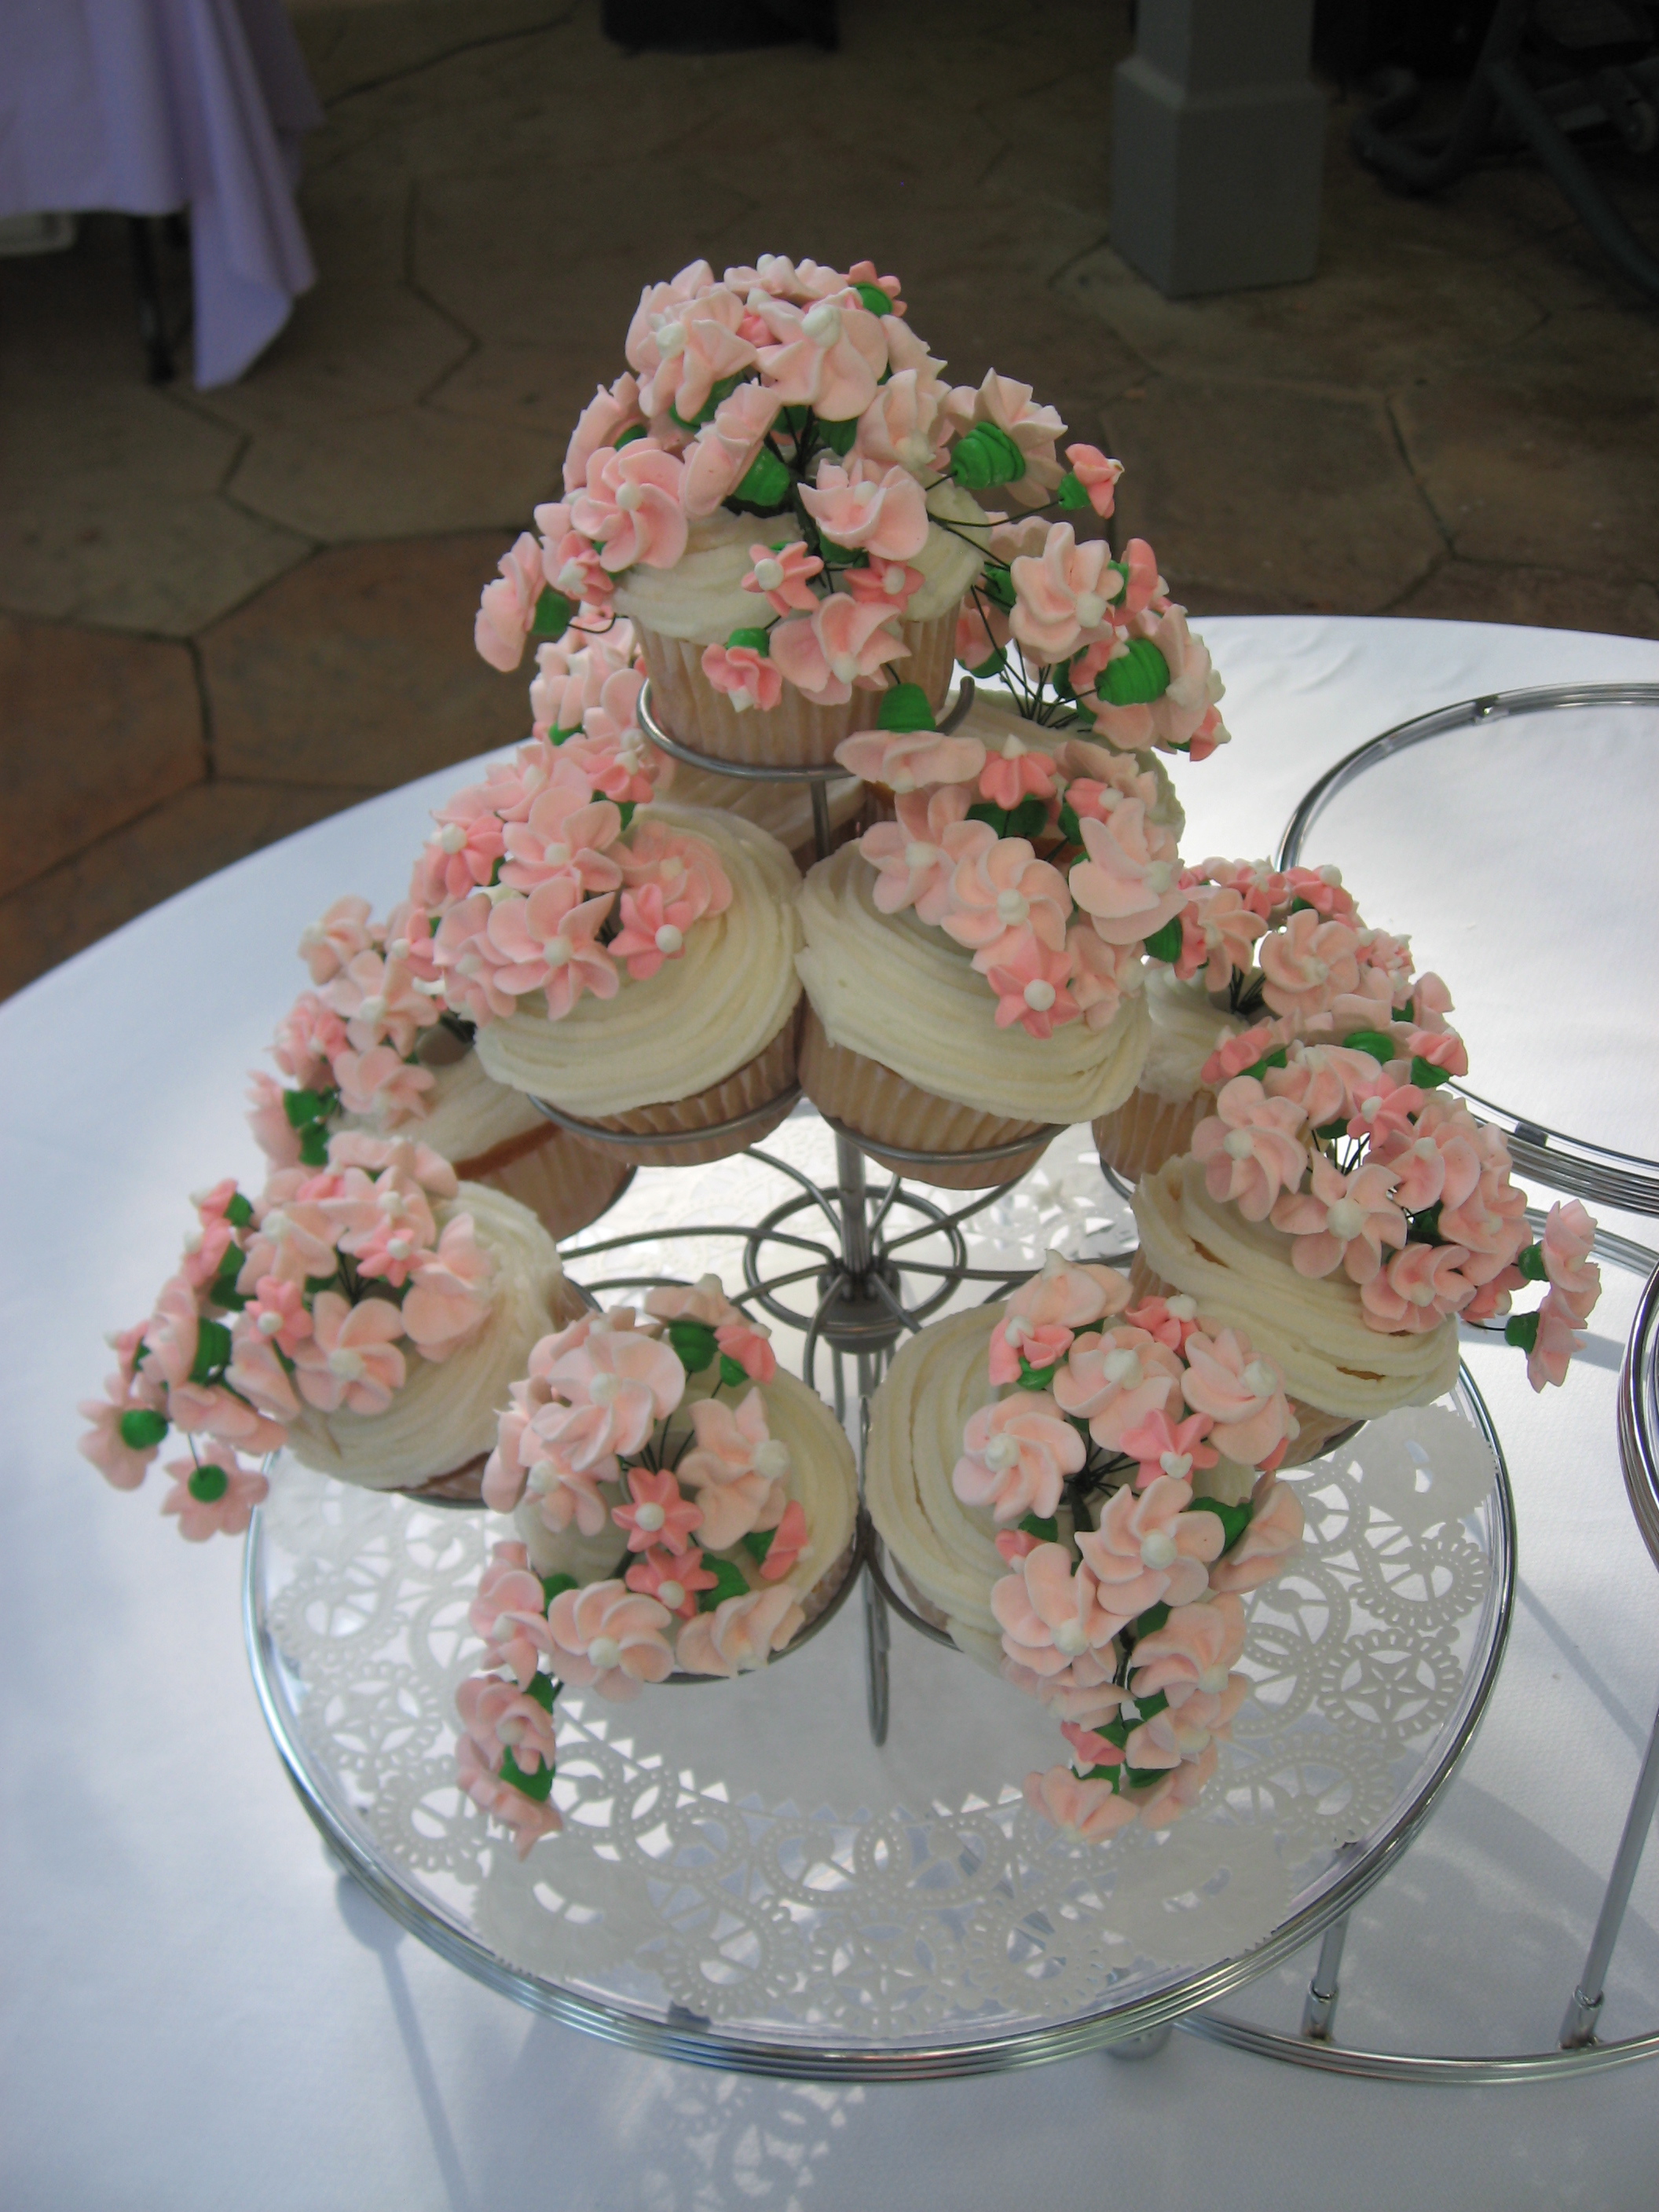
(368, 1049)
(368, 1315)
(682, 1507)
(1338, 1203)
(630, 964)
(1081, 1488)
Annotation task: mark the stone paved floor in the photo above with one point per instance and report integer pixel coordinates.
(223, 614)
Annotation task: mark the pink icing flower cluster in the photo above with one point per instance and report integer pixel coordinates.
(316, 1294)
(1121, 1610)
(1331, 1125)
(540, 882)
(1047, 866)
(799, 395)
(632, 1423)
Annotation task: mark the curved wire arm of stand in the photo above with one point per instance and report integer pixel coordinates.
(595, 1131)
(1327, 2057)
(1574, 1165)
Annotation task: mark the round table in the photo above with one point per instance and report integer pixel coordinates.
(197, 2003)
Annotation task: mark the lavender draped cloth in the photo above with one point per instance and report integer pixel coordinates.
(146, 106)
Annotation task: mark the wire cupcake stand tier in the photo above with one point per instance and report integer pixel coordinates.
(898, 1912)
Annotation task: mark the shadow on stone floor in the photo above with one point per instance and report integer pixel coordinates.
(223, 614)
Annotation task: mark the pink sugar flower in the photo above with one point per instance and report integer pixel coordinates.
(1252, 1147)
(507, 610)
(214, 1499)
(171, 1330)
(570, 677)
(1113, 1379)
(705, 1300)
(657, 301)
(1560, 1338)
(609, 1638)
(1015, 1457)
(790, 1539)
(912, 856)
(1186, 717)
(567, 833)
(982, 632)
(351, 1358)
(307, 1038)
(1418, 1288)
(1049, 1617)
(573, 564)
(267, 1117)
(905, 425)
(697, 345)
(654, 925)
(526, 1819)
(1088, 1747)
(1167, 1448)
(724, 449)
(509, 1612)
(449, 1299)
(1327, 1081)
(843, 644)
(1098, 475)
(1047, 1309)
(619, 762)
(888, 585)
(211, 1411)
(1014, 771)
(1000, 886)
(1568, 1240)
(499, 1717)
(747, 677)
(1182, 1735)
(782, 576)
(1341, 1221)
(381, 1084)
(631, 505)
(658, 1514)
(829, 358)
(1323, 890)
(742, 1632)
(562, 1452)
(905, 760)
(655, 853)
(600, 423)
(1242, 1394)
(1180, 1789)
(1008, 403)
(462, 851)
(1433, 1162)
(1083, 1812)
(1013, 1340)
(1491, 1223)
(1382, 1116)
(1013, 1544)
(736, 1468)
(673, 1581)
(1440, 1048)
(1064, 597)
(550, 940)
(1227, 930)
(1233, 1054)
(1149, 1550)
(1101, 974)
(1170, 1319)
(1191, 1654)
(380, 1003)
(123, 1466)
(634, 1381)
(344, 930)
(883, 513)
(1306, 962)
(1267, 1545)
(1029, 982)
(748, 1343)
(1128, 883)
(258, 1374)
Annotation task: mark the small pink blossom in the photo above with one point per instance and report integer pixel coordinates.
(843, 644)
(658, 1514)
(632, 1380)
(1327, 1081)
(1045, 1314)
(1084, 1812)
(509, 1612)
(1029, 982)
(905, 425)
(1383, 1116)
(1014, 771)
(673, 1580)
(526, 1820)
(632, 506)
(724, 449)
(1101, 974)
(782, 576)
(1149, 1550)
(1307, 962)
(888, 585)
(448, 1299)
(982, 632)
(1167, 1448)
(1227, 931)
(1252, 1147)
(1186, 717)
(1113, 1379)
(1004, 401)
(789, 1540)
(1000, 886)
(609, 1638)
(382, 1084)
(703, 1301)
(1051, 1618)
(122, 1465)
(1191, 1654)
(883, 513)
(655, 922)
(1418, 1288)
(1341, 1221)
(748, 678)
(829, 358)
(351, 1358)
(1267, 1545)
(500, 1717)
(344, 930)
(567, 832)
(171, 1330)
(1128, 883)
(507, 612)
(1098, 475)
(1015, 1457)
(600, 423)
(742, 1632)
(551, 941)
(912, 856)
(1242, 1394)
(735, 1467)
(748, 1343)
(1235, 1054)
(1560, 1338)
(1569, 1238)
(307, 1038)
(1170, 1319)
(226, 1514)
(1064, 597)
(267, 1117)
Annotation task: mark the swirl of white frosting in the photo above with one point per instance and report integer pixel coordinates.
(822, 1479)
(1186, 1030)
(697, 1020)
(899, 991)
(1240, 1273)
(916, 1419)
(446, 1413)
(702, 599)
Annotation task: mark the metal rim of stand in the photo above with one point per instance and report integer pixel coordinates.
(1574, 1165)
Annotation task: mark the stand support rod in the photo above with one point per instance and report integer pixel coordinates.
(1578, 2022)
(1319, 2011)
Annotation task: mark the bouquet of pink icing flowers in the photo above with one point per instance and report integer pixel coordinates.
(1127, 1461)
(314, 1296)
(646, 1427)
(1330, 1122)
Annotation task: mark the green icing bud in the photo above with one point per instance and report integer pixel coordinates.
(554, 614)
(842, 557)
(984, 809)
(759, 1542)
(212, 1351)
(1165, 944)
(543, 1687)
(209, 1484)
(1381, 1048)
(1150, 1621)
(538, 1787)
(756, 641)
(1033, 1378)
(239, 1212)
(1045, 1531)
(874, 298)
(142, 1429)
(302, 1107)
(733, 1371)
(997, 584)
(694, 1344)
(767, 482)
(627, 437)
(626, 809)
(1135, 677)
(905, 707)
(987, 456)
(1072, 494)
(729, 1582)
(1425, 1075)
(1530, 1262)
(1521, 1331)
(1235, 1520)
(313, 1145)
(1070, 827)
(1426, 1226)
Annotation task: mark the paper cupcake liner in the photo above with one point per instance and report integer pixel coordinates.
(794, 733)
(462, 1485)
(884, 1108)
(934, 1615)
(823, 1591)
(1147, 1130)
(771, 1075)
(565, 1183)
(1318, 1429)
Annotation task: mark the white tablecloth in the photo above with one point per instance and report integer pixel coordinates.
(197, 2012)
(148, 106)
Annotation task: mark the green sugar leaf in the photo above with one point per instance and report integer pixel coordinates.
(730, 1581)
(1072, 494)
(209, 1484)
(142, 1428)
(1045, 1531)
(694, 1344)
(212, 1351)
(554, 614)
(1234, 1519)
(538, 1787)
(1165, 944)
(904, 707)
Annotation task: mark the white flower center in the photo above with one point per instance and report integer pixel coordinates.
(604, 1651)
(631, 498)
(1001, 1452)
(1346, 1219)
(919, 856)
(572, 579)
(452, 837)
(1316, 971)
(768, 574)
(1424, 1148)
(371, 1009)
(1123, 1367)
(468, 964)
(669, 939)
(557, 951)
(1039, 996)
(863, 493)
(543, 1477)
(1238, 1144)
(1013, 908)
(346, 1364)
(823, 323)
(398, 1248)
(1159, 1550)
(1371, 1107)
(1421, 1294)
(398, 948)
(1177, 1465)
(1159, 877)
(557, 855)
(892, 578)
(772, 1459)
(671, 340)
(1214, 1679)
(844, 667)
(1181, 1307)
(604, 1390)
(1071, 1638)
(1259, 1377)
(671, 1594)
(649, 1517)
(1091, 607)
(270, 1324)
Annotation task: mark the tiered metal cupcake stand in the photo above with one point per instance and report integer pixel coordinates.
(928, 1927)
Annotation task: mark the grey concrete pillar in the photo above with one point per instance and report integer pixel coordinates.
(1219, 141)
